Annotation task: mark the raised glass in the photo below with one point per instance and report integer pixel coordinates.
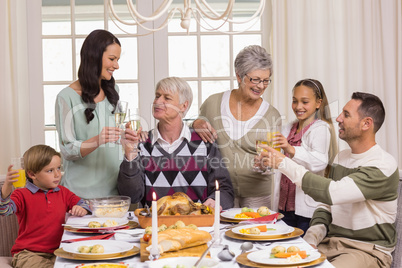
(18, 165)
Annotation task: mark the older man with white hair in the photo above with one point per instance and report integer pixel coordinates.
(173, 158)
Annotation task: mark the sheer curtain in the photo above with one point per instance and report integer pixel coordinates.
(347, 45)
(14, 92)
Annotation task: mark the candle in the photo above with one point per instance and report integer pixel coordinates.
(154, 249)
(217, 210)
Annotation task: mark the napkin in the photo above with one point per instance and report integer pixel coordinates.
(96, 237)
(265, 219)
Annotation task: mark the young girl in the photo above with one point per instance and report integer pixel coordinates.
(309, 141)
(40, 208)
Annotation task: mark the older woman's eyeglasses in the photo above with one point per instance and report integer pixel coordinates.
(256, 81)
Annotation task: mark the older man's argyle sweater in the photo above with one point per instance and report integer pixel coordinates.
(192, 169)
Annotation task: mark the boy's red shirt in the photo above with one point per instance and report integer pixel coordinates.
(40, 217)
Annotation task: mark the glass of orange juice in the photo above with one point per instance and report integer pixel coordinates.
(18, 165)
(271, 136)
(272, 131)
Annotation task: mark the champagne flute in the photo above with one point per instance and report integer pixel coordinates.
(135, 120)
(261, 136)
(120, 114)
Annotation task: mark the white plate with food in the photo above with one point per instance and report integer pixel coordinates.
(97, 247)
(300, 256)
(262, 230)
(236, 213)
(95, 223)
(184, 262)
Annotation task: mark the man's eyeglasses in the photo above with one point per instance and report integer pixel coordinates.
(256, 81)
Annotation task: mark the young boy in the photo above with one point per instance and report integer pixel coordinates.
(40, 207)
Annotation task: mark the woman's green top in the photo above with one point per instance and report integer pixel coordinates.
(239, 154)
(94, 175)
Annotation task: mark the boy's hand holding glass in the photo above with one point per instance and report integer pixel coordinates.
(17, 165)
(12, 178)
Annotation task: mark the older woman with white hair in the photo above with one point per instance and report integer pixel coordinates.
(173, 158)
(232, 118)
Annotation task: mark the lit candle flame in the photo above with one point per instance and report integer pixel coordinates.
(154, 196)
(217, 185)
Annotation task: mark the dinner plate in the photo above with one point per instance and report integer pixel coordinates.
(273, 230)
(264, 257)
(296, 233)
(78, 230)
(82, 222)
(243, 260)
(231, 213)
(112, 247)
(100, 264)
(66, 255)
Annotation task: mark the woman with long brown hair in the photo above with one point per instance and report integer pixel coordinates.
(85, 121)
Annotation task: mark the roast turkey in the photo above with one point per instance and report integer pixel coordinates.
(180, 203)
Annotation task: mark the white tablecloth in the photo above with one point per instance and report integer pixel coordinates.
(234, 245)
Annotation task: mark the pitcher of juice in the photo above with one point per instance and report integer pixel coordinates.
(18, 165)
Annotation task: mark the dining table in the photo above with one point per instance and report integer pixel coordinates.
(233, 244)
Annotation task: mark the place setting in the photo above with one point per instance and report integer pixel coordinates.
(108, 215)
(282, 255)
(238, 215)
(261, 231)
(97, 250)
(257, 225)
(90, 224)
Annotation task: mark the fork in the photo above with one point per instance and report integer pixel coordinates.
(221, 229)
(261, 245)
(133, 235)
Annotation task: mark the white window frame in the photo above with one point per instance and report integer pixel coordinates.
(149, 73)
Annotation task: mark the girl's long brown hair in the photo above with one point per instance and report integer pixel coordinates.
(322, 113)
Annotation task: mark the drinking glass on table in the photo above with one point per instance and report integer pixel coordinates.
(120, 114)
(18, 165)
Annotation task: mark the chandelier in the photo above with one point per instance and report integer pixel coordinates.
(201, 12)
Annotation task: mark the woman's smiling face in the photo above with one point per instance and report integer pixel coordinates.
(253, 91)
(110, 60)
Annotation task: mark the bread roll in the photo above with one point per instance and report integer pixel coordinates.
(175, 239)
